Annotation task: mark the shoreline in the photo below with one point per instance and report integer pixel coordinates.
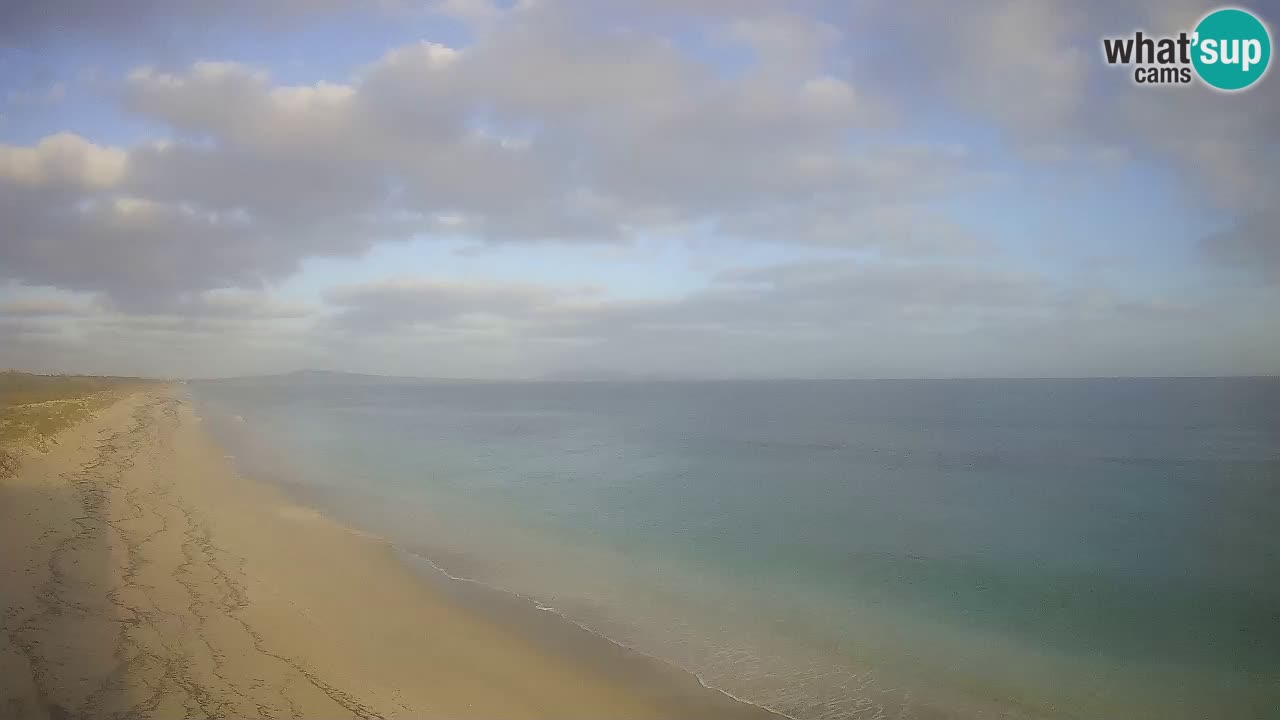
(563, 623)
(151, 578)
(524, 614)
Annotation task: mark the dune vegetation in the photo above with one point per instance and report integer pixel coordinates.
(33, 408)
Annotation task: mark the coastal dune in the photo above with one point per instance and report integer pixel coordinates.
(143, 577)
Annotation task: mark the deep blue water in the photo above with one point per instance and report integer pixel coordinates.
(1001, 548)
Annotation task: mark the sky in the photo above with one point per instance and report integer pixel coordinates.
(668, 188)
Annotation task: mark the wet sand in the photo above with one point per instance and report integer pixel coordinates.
(142, 577)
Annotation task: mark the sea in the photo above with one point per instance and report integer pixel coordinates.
(1074, 548)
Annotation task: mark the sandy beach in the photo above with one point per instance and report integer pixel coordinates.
(143, 577)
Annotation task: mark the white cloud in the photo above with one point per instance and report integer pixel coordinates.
(63, 161)
(622, 133)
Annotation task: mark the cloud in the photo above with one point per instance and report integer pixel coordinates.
(854, 318)
(140, 252)
(895, 148)
(844, 319)
(623, 135)
(1033, 71)
(1251, 244)
(425, 303)
(238, 304)
(209, 333)
(27, 22)
(62, 162)
(44, 306)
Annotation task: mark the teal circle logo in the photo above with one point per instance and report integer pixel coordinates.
(1232, 49)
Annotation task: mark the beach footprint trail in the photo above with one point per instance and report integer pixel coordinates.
(118, 601)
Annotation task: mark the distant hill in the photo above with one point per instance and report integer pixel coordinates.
(327, 375)
(601, 375)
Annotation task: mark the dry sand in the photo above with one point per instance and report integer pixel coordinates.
(142, 577)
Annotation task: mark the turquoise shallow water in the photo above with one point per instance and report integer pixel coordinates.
(1013, 548)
